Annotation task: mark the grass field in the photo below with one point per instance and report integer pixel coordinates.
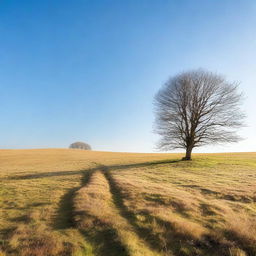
(73, 202)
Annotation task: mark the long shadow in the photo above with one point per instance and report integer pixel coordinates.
(44, 175)
(67, 173)
(64, 217)
(169, 240)
(105, 241)
(145, 164)
(146, 233)
(102, 237)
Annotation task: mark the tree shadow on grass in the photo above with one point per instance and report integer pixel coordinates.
(44, 175)
(159, 235)
(103, 238)
(144, 232)
(68, 173)
(145, 164)
(64, 219)
(105, 241)
(64, 216)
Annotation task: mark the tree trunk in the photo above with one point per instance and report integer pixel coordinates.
(188, 153)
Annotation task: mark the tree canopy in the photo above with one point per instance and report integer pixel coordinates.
(80, 145)
(197, 108)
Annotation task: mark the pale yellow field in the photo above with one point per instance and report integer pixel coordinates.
(73, 202)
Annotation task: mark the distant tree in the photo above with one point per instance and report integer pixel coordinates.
(197, 108)
(80, 145)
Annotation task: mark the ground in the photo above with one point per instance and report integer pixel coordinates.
(73, 202)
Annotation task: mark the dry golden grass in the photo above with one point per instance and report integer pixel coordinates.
(97, 216)
(73, 202)
(207, 207)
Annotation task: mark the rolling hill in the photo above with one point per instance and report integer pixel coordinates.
(73, 202)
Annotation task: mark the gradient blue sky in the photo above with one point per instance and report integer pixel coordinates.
(88, 70)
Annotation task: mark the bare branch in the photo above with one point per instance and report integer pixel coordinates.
(197, 108)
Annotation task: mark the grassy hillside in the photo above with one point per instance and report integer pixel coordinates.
(72, 202)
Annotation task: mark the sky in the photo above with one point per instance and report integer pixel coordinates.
(88, 70)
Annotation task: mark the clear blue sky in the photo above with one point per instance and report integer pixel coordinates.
(88, 70)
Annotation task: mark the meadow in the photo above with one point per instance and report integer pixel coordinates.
(73, 202)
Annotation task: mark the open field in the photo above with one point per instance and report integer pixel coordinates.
(72, 202)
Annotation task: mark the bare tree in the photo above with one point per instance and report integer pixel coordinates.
(197, 108)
